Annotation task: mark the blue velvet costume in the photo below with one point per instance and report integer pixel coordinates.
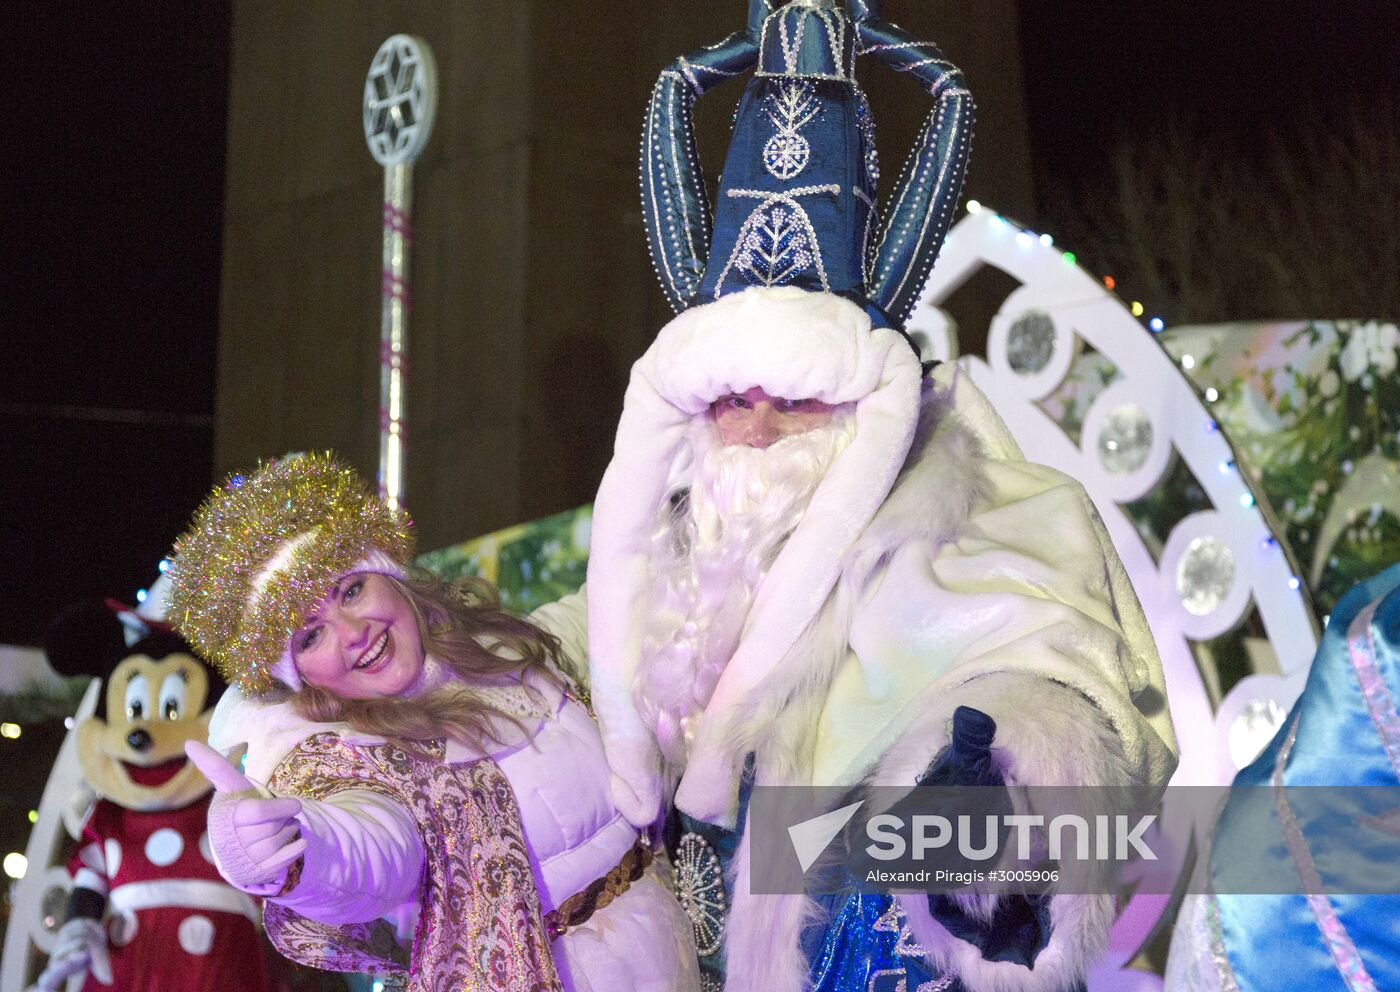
(803, 144)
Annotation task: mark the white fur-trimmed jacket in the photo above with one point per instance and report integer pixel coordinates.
(366, 853)
(982, 580)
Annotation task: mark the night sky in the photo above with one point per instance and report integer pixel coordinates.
(1096, 70)
(113, 190)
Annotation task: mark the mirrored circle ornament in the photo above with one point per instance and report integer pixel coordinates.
(1204, 575)
(1126, 439)
(400, 100)
(1252, 729)
(785, 155)
(700, 889)
(1030, 342)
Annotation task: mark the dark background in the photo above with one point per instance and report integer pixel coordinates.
(1096, 72)
(113, 195)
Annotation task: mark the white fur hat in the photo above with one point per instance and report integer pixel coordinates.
(790, 342)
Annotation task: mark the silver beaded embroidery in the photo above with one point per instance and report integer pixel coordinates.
(792, 108)
(700, 890)
(777, 240)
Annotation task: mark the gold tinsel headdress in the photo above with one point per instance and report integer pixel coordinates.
(263, 551)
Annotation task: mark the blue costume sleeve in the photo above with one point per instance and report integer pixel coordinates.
(921, 207)
(676, 207)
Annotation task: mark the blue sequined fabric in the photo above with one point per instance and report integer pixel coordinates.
(862, 944)
(866, 946)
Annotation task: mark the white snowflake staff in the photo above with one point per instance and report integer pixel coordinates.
(399, 105)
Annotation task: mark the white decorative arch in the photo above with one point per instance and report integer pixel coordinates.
(1227, 556)
(1215, 564)
(42, 895)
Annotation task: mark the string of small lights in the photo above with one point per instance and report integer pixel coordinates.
(1156, 325)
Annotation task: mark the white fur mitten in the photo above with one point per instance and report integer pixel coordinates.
(253, 833)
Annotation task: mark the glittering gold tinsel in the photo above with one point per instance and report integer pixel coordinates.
(238, 530)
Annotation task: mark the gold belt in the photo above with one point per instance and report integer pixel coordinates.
(581, 905)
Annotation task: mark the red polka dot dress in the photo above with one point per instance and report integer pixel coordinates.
(172, 923)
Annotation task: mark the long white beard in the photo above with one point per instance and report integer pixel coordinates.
(710, 551)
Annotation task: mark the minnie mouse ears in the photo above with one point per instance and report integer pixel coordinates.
(86, 639)
(91, 637)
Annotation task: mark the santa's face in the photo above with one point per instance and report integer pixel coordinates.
(756, 419)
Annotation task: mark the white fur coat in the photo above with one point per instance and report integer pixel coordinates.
(983, 580)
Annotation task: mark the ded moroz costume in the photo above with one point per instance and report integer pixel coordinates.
(932, 568)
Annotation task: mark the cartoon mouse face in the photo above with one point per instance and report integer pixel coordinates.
(136, 756)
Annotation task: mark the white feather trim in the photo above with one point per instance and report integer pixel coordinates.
(762, 934)
(1047, 733)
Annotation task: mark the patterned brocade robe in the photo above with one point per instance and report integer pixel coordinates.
(481, 927)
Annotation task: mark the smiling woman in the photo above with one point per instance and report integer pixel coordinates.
(379, 647)
(362, 642)
(436, 800)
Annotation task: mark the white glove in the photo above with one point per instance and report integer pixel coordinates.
(254, 834)
(82, 946)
